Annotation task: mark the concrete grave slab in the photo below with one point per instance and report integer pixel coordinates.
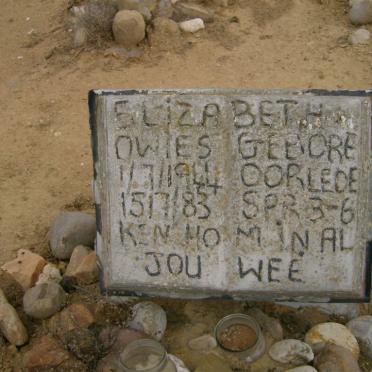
(233, 193)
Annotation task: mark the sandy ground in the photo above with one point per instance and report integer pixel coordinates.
(45, 154)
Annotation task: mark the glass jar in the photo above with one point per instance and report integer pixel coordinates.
(251, 353)
(147, 356)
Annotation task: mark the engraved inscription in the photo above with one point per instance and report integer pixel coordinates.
(235, 193)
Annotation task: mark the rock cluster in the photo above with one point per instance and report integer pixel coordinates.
(78, 335)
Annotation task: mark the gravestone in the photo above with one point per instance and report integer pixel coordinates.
(232, 193)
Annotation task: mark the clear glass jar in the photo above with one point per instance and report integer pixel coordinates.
(253, 352)
(147, 356)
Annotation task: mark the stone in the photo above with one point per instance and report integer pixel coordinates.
(179, 364)
(334, 358)
(302, 369)
(292, 352)
(150, 318)
(202, 343)
(82, 267)
(128, 28)
(13, 291)
(361, 328)
(333, 333)
(82, 343)
(193, 25)
(145, 8)
(361, 12)
(11, 327)
(50, 274)
(70, 229)
(44, 300)
(187, 11)
(267, 323)
(72, 317)
(26, 268)
(212, 363)
(47, 354)
(360, 36)
(191, 158)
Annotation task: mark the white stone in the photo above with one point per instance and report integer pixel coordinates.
(360, 36)
(291, 351)
(50, 274)
(334, 333)
(149, 318)
(361, 12)
(44, 300)
(203, 343)
(11, 327)
(361, 328)
(302, 369)
(180, 365)
(193, 25)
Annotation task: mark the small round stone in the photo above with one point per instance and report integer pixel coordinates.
(332, 333)
(69, 230)
(361, 328)
(360, 36)
(361, 12)
(150, 318)
(128, 28)
(44, 300)
(291, 351)
(203, 343)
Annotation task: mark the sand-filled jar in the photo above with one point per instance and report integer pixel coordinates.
(240, 335)
(147, 356)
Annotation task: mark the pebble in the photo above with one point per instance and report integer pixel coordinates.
(69, 230)
(180, 365)
(291, 351)
(193, 25)
(13, 291)
(11, 326)
(26, 268)
(184, 11)
(361, 328)
(334, 333)
(302, 369)
(139, 6)
(213, 363)
(150, 318)
(47, 354)
(360, 36)
(44, 300)
(334, 358)
(50, 274)
(82, 343)
(82, 267)
(203, 343)
(361, 12)
(267, 323)
(72, 317)
(128, 28)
